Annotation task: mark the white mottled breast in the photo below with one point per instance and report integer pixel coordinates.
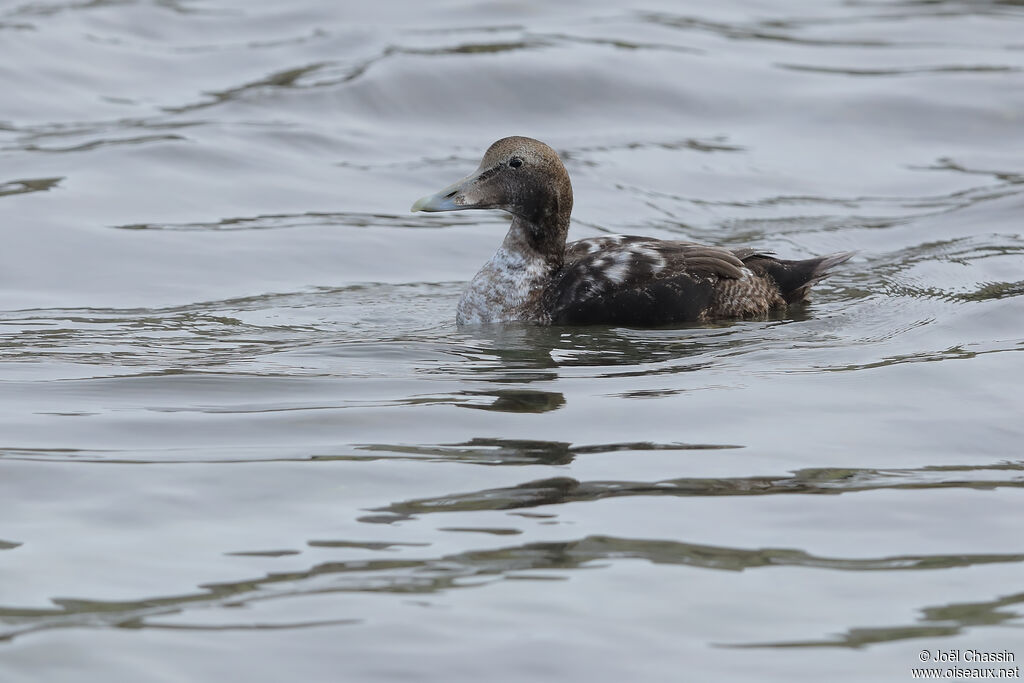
(508, 288)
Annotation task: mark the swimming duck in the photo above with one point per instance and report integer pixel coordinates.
(622, 280)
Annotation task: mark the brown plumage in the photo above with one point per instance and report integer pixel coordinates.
(536, 277)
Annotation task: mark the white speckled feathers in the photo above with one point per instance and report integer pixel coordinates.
(637, 276)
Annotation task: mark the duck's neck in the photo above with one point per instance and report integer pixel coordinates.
(545, 243)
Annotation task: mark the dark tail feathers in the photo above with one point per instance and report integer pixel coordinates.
(795, 278)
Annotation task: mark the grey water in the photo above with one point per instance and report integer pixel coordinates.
(242, 438)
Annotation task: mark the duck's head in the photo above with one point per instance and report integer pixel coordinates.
(522, 176)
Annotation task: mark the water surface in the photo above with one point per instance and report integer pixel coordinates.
(241, 435)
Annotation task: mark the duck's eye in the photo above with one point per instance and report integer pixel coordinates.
(515, 162)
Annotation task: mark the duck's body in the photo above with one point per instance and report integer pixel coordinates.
(639, 281)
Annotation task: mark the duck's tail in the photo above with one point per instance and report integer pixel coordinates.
(795, 278)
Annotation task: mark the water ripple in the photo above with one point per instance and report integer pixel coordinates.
(29, 185)
(562, 490)
(453, 572)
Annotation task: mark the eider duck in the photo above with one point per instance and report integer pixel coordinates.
(619, 280)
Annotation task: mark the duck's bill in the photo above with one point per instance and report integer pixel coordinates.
(455, 197)
(435, 202)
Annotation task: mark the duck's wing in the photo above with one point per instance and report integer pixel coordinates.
(641, 281)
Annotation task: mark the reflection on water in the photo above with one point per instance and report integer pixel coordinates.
(28, 185)
(562, 490)
(535, 561)
(304, 220)
(482, 451)
(940, 620)
(519, 401)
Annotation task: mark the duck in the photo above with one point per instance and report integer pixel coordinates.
(626, 280)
